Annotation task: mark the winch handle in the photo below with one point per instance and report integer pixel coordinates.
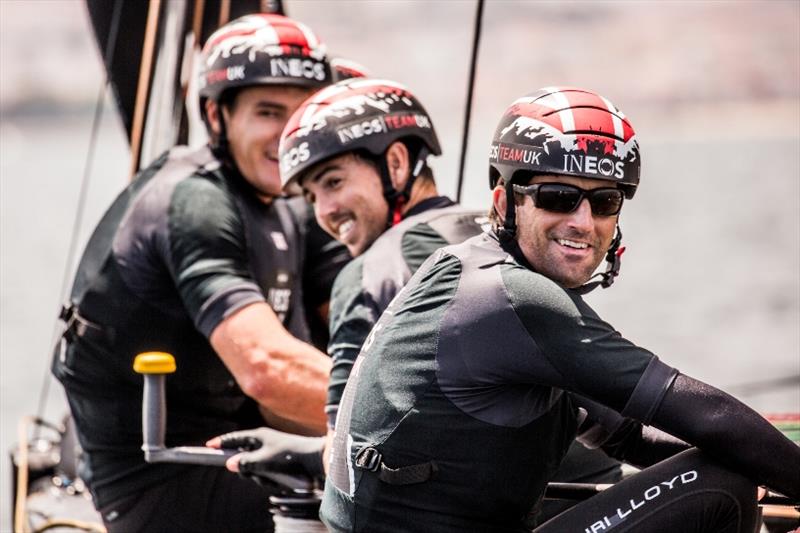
(155, 366)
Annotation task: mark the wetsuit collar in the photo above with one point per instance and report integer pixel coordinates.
(511, 247)
(436, 202)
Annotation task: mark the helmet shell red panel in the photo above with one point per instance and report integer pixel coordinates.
(262, 49)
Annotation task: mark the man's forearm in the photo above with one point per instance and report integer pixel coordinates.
(286, 376)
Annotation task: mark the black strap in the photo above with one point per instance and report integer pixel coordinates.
(398, 199)
(80, 327)
(646, 397)
(614, 261)
(369, 458)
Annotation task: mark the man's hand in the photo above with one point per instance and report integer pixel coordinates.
(269, 451)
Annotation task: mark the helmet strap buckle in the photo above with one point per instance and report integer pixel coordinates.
(509, 230)
(614, 260)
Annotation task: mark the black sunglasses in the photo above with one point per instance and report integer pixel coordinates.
(564, 198)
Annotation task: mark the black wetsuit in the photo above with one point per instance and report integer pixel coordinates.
(475, 380)
(184, 246)
(368, 283)
(365, 287)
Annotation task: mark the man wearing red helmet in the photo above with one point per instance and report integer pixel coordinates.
(477, 377)
(200, 257)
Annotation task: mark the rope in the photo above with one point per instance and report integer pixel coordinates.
(20, 524)
(83, 193)
(470, 88)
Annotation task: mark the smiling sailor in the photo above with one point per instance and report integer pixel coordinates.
(483, 369)
(200, 257)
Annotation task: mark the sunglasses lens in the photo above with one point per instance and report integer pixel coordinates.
(558, 198)
(605, 202)
(563, 198)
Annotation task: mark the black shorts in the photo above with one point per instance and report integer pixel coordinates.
(201, 499)
(685, 493)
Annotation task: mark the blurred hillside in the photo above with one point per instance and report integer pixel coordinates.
(656, 52)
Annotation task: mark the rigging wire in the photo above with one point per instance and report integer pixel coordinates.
(273, 6)
(84, 188)
(470, 88)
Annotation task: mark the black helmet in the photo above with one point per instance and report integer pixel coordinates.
(262, 49)
(355, 114)
(564, 130)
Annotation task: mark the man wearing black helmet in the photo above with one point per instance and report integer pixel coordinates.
(483, 369)
(200, 258)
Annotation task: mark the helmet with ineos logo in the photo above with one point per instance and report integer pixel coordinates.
(569, 131)
(262, 49)
(356, 114)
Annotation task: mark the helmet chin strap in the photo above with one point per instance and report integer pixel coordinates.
(614, 260)
(507, 234)
(397, 199)
(220, 147)
(222, 151)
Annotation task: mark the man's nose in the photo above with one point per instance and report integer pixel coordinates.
(582, 217)
(324, 207)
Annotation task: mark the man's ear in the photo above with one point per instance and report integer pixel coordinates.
(397, 160)
(213, 115)
(499, 201)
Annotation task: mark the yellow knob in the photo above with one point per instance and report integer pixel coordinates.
(154, 363)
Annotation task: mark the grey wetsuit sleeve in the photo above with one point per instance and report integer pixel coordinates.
(623, 438)
(591, 358)
(731, 432)
(353, 313)
(207, 253)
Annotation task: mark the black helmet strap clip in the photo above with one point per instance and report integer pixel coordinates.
(220, 146)
(509, 230)
(397, 200)
(507, 235)
(614, 260)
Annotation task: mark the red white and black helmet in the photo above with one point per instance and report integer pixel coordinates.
(355, 114)
(262, 49)
(564, 130)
